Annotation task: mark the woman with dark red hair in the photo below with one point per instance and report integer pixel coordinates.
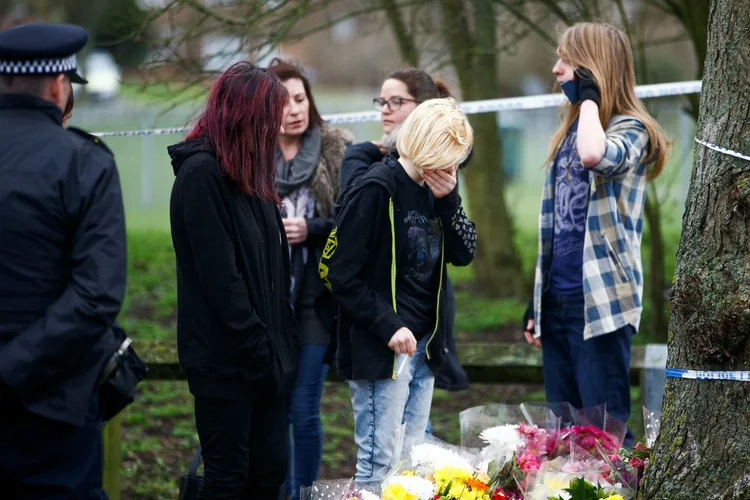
(236, 336)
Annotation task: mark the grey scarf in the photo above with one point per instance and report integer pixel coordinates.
(297, 172)
(389, 140)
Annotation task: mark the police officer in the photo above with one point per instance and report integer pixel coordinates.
(62, 271)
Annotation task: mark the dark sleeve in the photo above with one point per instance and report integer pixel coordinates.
(529, 314)
(51, 348)
(348, 252)
(318, 229)
(357, 159)
(290, 317)
(207, 223)
(459, 232)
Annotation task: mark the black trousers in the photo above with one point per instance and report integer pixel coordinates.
(244, 444)
(45, 459)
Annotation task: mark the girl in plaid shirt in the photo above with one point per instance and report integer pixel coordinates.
(589, 278)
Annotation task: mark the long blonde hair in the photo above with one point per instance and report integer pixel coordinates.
(605, 51)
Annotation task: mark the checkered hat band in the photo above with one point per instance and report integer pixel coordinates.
(38, 66)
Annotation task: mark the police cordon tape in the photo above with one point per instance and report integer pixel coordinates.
(472, 107)
(739, 376)
(722, 150)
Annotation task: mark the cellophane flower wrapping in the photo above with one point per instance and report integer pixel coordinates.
(620, 473)
(328, 490)
(430, 454)
(556, 475)
(342, 489)
(651, 420)
(474, 421)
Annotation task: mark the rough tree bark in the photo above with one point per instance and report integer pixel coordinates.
(703, 450)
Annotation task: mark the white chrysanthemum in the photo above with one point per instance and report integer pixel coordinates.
(502, 441)
(366, 495)
(434, 457)
(420, 487)
(502, 436)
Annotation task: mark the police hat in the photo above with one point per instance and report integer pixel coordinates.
(42, 49)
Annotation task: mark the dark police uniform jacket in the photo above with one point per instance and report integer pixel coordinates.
(62, 259)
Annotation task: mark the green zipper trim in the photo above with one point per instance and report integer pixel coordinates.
(394, 376)
(393, 254)
(440, 288)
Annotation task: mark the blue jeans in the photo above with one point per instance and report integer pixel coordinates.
(306, 436)
(379, 408)
(584, 373)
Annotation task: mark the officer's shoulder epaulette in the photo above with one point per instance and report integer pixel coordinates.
(90, 138)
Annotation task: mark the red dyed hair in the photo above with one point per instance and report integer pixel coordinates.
(241, 123)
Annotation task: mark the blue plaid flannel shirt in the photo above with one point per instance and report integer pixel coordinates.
(612, 268)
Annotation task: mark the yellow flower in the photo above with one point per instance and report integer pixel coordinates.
(445, 475)
(463, 492)
(395, 491)
(615, 497)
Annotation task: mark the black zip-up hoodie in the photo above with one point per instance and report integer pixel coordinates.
(236, 335)
(360, 268)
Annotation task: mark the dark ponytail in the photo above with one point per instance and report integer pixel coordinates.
(442, 89)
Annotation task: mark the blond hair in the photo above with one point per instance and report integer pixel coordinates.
(605, 50)
(435, 136)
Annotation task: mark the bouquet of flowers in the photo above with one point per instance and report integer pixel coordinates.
(513, 452)
(436, 470)
(628, 466)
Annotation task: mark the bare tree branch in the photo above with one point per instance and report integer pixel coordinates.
(533, 25)
(405, 40)
(555, 8)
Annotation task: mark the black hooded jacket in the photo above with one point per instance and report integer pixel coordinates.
(359, 265)
(357, 161)
(236, 335)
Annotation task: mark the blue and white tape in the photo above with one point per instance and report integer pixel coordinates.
(472, 107)
(739, 376)
(722, 150)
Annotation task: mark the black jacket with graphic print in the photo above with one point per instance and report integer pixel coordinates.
(357, 160)
(357, 265)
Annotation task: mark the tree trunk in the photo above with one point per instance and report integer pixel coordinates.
(704, 444)
(497, 265)
(405, 40)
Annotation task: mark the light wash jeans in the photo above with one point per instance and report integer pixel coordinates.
(379, 408)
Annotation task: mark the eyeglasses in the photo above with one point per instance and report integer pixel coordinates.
(394, 103)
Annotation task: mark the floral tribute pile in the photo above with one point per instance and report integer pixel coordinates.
(549, 453)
